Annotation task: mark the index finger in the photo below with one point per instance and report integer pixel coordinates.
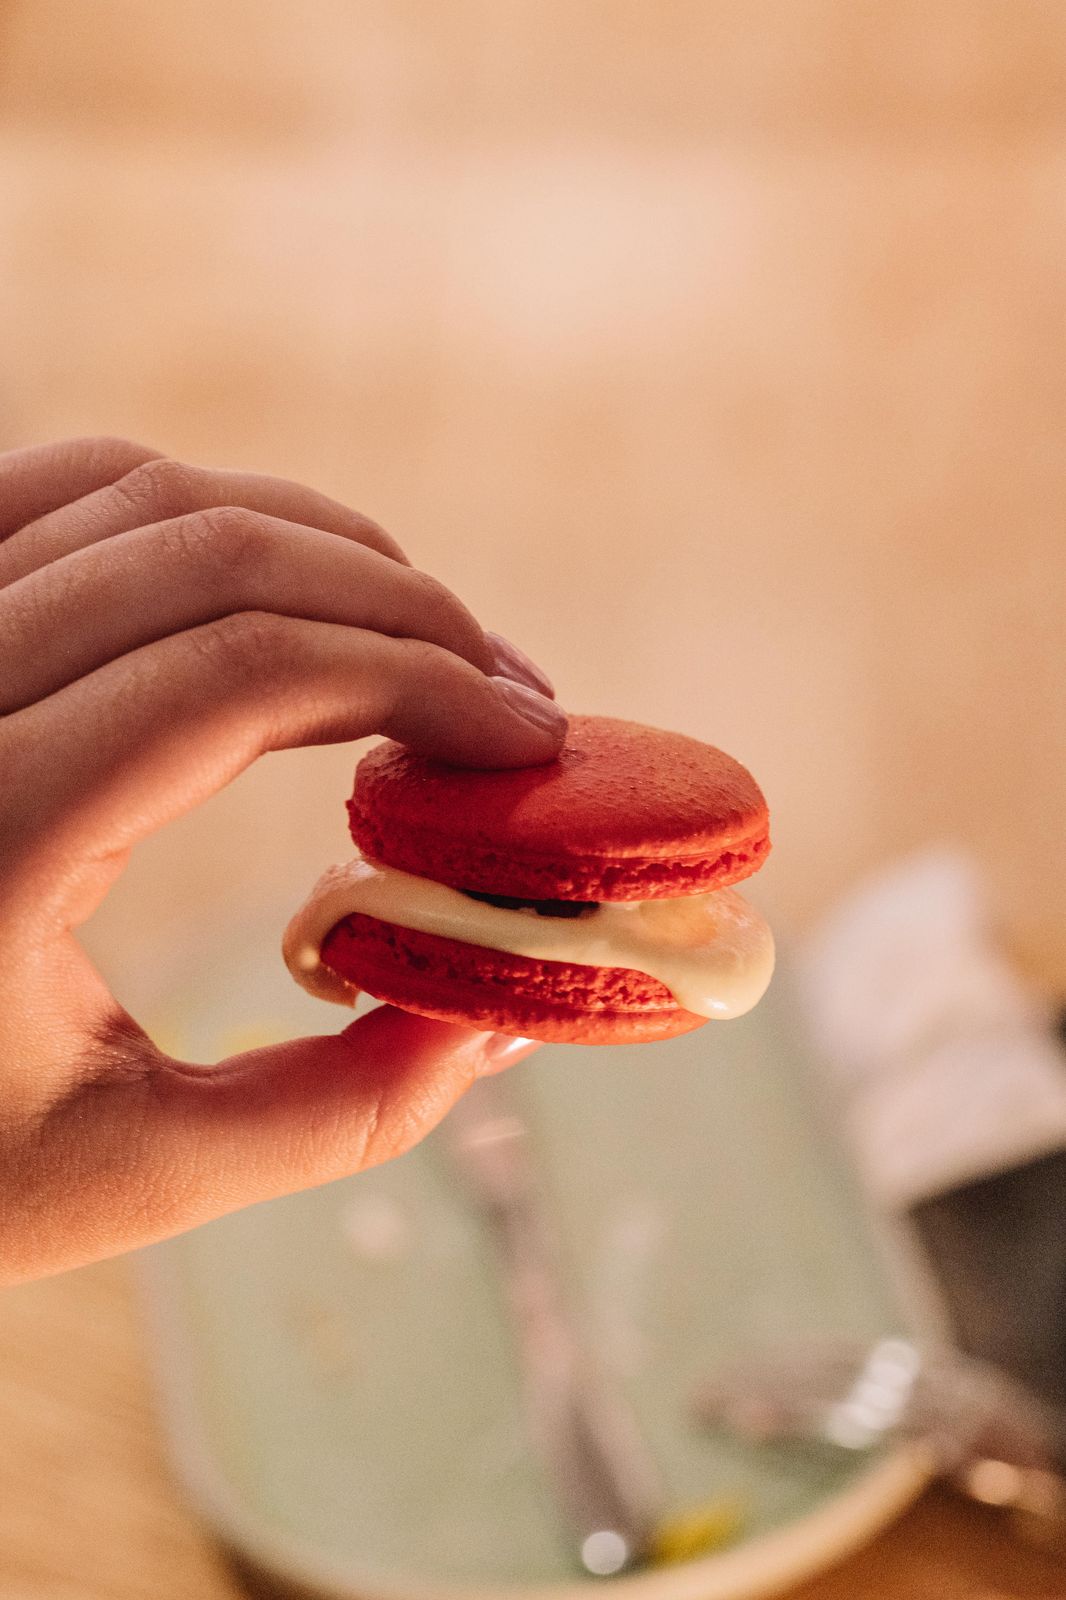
(107, 760)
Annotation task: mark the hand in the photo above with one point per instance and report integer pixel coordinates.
(161, 626)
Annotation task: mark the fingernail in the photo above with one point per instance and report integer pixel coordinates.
(510, 662)
(502, 1050)
(533, 707)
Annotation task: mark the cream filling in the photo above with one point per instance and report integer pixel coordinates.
(712, 951)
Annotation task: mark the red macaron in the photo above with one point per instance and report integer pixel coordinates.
(626, 813)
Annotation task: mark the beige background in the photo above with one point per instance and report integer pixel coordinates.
(715, 352)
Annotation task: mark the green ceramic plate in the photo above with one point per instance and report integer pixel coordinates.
(341, 1388)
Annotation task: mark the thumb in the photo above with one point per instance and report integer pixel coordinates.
(148, 1146)
(302, 1113)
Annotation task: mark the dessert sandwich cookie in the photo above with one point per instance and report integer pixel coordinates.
(588, 900)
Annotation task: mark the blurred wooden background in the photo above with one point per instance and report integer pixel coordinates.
(714, 352)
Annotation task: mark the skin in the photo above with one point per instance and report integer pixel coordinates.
(161, 626)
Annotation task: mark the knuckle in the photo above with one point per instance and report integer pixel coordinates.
(159, 487)
(226, 539)
(252, 643)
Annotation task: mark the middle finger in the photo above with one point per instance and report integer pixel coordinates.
(97, 604)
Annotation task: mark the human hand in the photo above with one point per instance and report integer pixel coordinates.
(161, 626)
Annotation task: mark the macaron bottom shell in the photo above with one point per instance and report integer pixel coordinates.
(554, 1001)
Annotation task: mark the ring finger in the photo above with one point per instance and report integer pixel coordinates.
(159, 489)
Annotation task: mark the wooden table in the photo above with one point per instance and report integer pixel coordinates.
(715, 352)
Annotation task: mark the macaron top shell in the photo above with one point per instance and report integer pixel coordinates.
(625, 813)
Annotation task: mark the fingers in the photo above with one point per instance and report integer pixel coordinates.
(157, 490)
(99, 603)
(150, 735)
(151, 1147)
(35, 481)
